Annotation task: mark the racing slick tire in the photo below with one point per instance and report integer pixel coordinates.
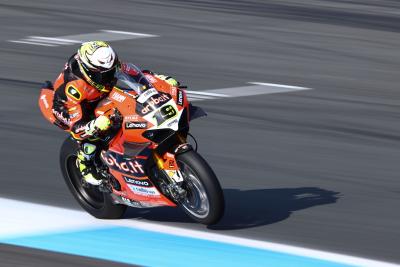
(98, 204)
(204, 202)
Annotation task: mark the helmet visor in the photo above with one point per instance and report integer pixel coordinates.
(105, 78)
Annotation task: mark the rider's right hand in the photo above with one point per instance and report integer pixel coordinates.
(101, 123)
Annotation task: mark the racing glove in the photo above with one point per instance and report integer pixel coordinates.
(168, 79)
(101, 123)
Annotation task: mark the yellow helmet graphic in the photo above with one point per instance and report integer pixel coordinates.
(98, 62)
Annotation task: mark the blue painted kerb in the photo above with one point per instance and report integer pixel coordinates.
(140, 247)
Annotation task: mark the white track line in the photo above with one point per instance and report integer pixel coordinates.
(44, 219)
(205, 93)
(200, 97)
(45, 41)
(53, 39)
(28, 42)
(281, 85)
(131, 33)
(256, 88)
(106, 35)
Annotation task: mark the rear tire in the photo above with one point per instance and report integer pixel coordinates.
(97, 203)
(205, 200)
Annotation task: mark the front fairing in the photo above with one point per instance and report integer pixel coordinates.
(158, 108)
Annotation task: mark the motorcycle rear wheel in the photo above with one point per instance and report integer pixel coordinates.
(97, 203)
(204, 202)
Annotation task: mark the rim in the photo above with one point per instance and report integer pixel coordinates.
(90, 194)
(196, 201)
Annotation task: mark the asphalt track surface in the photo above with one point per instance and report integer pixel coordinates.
(316, 168)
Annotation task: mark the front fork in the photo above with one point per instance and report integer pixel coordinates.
(169, 167)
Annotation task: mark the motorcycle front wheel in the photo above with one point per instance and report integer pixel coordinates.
(204, 201)
(97, 203)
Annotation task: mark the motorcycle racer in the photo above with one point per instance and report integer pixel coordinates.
(87, 78)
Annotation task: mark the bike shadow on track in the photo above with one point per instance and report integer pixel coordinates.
(249, 208)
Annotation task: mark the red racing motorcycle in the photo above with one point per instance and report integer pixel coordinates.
(146, 160)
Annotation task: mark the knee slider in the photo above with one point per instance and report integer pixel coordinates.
(88, 148)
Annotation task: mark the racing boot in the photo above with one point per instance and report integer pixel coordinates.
(85, 162)
(86, 154)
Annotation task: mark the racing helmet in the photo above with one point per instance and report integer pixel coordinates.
(98, 63)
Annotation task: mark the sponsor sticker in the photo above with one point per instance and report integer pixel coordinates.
(61, 117)
(74, 115)
(180, 98)
(173, 90)
(80, 129)
(124, 165)
(138, 182)
(118, 97)
(130, 202)
(152, 191)
(132, 118)
(131, 125)
(150, 78)
(170, 124)
(146, 94)
(152, 103)
(43, 98)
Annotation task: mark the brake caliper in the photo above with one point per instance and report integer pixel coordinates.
(170, 168)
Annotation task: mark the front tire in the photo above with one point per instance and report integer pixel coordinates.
(204, 202)
(97, 203)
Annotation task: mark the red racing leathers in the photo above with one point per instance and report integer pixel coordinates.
(75, 99)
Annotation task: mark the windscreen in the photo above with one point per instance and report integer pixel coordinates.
(149, 101)
(131, 78)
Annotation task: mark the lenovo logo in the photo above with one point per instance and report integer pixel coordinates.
(145, 183)
(180, 98)
(135, 125)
